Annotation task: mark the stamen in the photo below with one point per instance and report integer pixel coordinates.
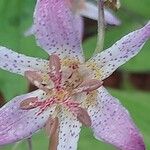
(43, 105)
(75, 80)
(71, 104)
(33, 76)
(54, 128)
(88, 86)
(47, 126)
(29, 103)
(83, 117)
(36, 79)
(55, 69)
(51, 126)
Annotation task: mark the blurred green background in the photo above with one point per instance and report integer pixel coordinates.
(131, 83)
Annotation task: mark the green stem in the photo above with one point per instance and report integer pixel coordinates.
(29, 140)
(101, 27)
(15, 147)
(29, 143)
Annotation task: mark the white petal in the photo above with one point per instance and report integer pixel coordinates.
(19, 63)
(122, 51)
(68, 132)
(91, 11)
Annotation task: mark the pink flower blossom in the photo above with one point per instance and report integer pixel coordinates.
(70, 89)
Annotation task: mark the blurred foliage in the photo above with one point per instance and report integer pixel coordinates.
(16, 18)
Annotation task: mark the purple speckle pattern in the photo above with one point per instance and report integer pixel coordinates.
(112, 123)
(56, 29)
(69, 131)
(122, 51)
(79, 26)
(19, 63)
(17, 124)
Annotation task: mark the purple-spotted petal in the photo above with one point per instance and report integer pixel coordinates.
(19, 63)
(17, 124)
(78, 22)
(79, 26)
(112, 123)
(68, 132)
(91, 11)
(56, 29)
(122, 51)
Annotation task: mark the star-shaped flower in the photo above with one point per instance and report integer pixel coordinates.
(70, 90)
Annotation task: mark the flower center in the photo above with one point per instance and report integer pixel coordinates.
(61, 84)
(60, 95)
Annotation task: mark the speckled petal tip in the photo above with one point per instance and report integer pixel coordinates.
(112, 123)
(122, 51)
(69, 131)
(91, 11)
(19, 63)
(17, 124)
(57, 29)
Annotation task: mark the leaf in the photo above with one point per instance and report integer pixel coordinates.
(12, 85)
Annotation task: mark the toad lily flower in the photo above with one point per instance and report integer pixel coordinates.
(70, 90)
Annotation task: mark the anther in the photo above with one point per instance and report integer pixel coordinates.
(83, 117)
(29, 103)
(88, 86)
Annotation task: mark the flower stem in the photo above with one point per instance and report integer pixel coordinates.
(101, 27)
(29, 140)
(15, 147)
